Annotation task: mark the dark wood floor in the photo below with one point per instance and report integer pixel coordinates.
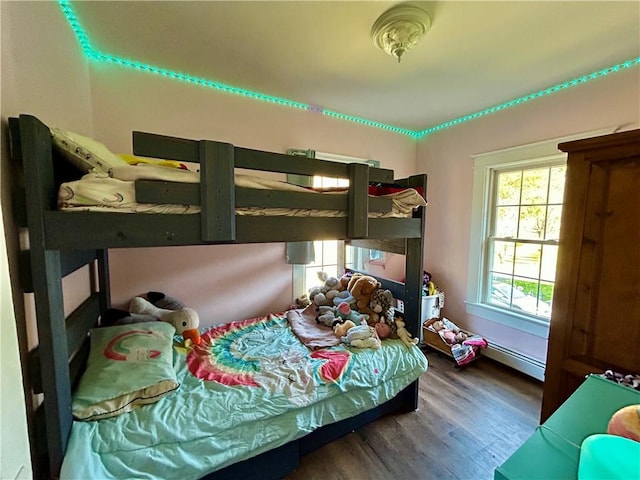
(469, 421)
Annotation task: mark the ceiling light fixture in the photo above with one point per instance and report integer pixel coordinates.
(400, 28)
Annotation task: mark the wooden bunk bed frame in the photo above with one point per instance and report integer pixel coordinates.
(62, 242)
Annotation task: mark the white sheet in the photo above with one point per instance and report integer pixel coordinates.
(99, 193)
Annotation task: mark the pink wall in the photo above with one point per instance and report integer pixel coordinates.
(45, 74)
(42, 73)
(446, 158)
(225, 282)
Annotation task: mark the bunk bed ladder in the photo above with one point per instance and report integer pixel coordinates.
(35, 144)
(41, 273)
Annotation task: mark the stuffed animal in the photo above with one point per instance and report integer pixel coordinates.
(625, 422)
(438, 325)
(382, 305)
(361, 287)
(185, 320)
(324, 295)
(344, 280)
(451, 337)
(403, 334)
(382, 329)
(341, 329)
(345, 296)
(115, 316)
(449, 331)
(345, 313)
(317, 296)
(302, 301)
(362, 336)
(161, 300)
(332, 284)
(327, 316)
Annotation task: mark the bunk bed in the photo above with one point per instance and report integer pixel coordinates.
(61, 242)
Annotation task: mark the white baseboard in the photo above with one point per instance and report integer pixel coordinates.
(518, 361)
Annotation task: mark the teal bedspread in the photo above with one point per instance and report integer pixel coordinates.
(249, 387)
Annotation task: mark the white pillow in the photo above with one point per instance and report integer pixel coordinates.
(84, 152)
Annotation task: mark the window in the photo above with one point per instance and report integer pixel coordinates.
(522, 245)
(330, 255)
(517, 206)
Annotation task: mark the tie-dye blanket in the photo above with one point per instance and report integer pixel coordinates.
(249, 387)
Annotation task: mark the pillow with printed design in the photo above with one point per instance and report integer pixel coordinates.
(129, 366)
(85, 153)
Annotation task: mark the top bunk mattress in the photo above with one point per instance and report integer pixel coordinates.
(116, 192)
(65, 173)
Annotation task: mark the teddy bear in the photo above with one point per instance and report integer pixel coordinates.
(403, 334)
(344, 280)
(362, 336)
(341, 329)
(302, 301)
(361, 287)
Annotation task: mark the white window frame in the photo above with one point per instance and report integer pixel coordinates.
(485, 164)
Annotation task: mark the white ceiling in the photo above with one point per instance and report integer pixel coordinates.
(476, 55)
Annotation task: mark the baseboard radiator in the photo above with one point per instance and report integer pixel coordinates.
(516, 360)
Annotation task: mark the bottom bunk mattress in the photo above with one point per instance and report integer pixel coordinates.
(250, 386)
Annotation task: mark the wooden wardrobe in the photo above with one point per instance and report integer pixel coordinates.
(595, 323)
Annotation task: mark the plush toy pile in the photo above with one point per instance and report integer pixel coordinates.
(354, 302)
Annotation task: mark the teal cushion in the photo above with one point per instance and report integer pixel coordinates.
(128, 366)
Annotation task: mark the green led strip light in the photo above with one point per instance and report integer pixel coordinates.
(95, 55)
(540, 93)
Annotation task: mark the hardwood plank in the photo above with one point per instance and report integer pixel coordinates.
(470, 420)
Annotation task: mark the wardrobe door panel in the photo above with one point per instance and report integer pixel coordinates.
(595, 324)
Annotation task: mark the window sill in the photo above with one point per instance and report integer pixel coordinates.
(524, 323)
